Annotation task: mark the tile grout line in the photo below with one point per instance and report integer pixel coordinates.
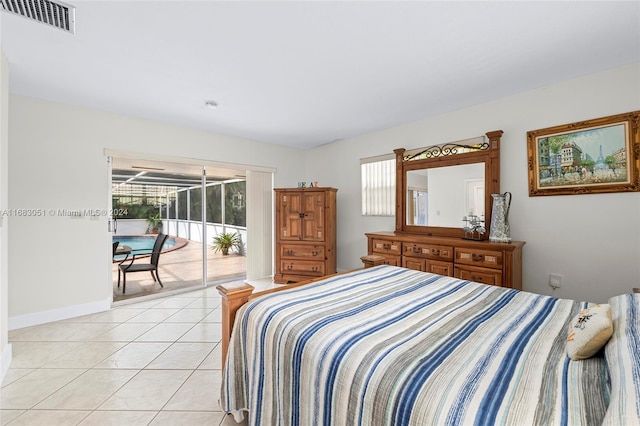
(196, 303)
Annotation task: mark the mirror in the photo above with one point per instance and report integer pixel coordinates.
(441, 190)
(445, 196)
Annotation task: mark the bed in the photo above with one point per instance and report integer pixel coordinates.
(393, 346)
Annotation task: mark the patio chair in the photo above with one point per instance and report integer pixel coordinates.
(151, 267)
(115, 247)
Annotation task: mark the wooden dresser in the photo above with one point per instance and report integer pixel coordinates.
(305, 233)
(481, 261)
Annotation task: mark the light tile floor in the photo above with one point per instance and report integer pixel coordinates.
(155, 362)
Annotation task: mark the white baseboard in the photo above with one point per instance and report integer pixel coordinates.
(5, 361)
(43, 317)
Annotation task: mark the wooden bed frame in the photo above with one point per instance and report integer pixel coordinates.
(236, 295)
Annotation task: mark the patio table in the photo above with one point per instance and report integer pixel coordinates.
(125, 250)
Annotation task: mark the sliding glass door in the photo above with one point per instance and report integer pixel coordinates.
(197, 206)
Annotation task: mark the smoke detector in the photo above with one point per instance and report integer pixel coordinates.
(55, 14)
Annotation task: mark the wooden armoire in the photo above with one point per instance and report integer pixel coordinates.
(305, 233)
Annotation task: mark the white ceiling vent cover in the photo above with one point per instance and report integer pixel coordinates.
(56, 14)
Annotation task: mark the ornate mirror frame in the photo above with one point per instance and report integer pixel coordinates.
(450, 154)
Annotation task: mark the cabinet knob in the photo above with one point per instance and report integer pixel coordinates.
(435, 252)
(314, 253)
(477, 257)
(416, 249)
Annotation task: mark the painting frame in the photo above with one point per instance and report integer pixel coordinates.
(600, 155)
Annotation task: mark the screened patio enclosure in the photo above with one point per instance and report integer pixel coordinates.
(194, 204)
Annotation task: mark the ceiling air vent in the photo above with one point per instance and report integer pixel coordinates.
(56, 14)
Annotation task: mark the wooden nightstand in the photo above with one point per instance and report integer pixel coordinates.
(372, 260)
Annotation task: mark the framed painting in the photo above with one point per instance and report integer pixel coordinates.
(587, 157)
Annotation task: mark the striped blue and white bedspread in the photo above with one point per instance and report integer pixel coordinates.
(392, 346)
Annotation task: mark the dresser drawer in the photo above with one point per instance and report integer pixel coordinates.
(387, 247)
(479, 275)
(428, 265)
(482, 258)
(440, 268)
(430, 251)
(415, 263)
(391, 260)
(302, 251)
(305, 267)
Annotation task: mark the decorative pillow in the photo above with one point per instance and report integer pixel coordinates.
(589, 331)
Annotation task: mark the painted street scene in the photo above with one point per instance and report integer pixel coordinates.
(594, 156)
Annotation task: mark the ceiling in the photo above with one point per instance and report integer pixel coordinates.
(146, 177)
(306, 73)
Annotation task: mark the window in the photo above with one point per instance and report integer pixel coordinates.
(235, 206)
(378, 185)
(195, 204)
(214, 207)
(182, 205)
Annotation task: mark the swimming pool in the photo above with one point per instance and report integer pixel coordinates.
(144, 243)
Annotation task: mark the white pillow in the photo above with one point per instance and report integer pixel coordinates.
(589, 331)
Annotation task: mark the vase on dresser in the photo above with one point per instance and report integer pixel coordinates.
(500, 231)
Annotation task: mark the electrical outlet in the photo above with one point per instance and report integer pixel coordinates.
(555, 280)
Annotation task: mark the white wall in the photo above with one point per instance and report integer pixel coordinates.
(593, 241)
(57, 162)
(131, 227)
(5, 347)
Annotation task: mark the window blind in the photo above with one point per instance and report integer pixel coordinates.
(378, 176)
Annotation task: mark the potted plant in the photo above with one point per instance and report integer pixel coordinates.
(224, 241)
(155, 223)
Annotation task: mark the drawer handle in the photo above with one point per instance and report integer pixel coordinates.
(477, 257)
(435, 252)
(386, 246)
(314, 269)
(417, 250)
(290, 267)
(476, 279)
(314, 253)
(290, 252)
